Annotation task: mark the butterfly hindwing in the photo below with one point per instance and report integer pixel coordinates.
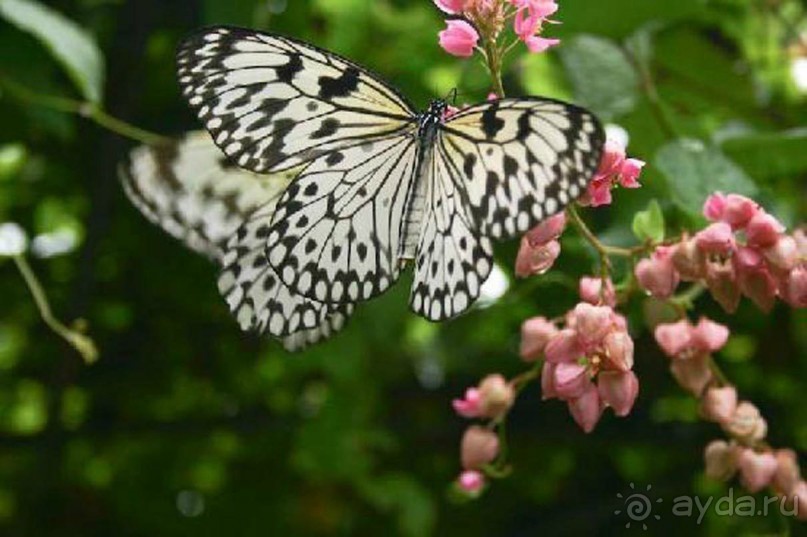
(521, 160)
(272, 103)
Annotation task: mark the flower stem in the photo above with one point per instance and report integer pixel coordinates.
(82, 343)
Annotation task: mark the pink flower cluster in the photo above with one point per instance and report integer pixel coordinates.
(745, 251)
(460, 38)
(690, 348)
(616, 169)
(588, 363)
(540, 247)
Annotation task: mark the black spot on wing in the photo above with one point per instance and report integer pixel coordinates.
(328, 127)
(491, 122)
(285, 73)
(343, 86)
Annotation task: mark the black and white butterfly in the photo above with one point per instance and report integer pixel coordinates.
(189, 189)
(378, 185)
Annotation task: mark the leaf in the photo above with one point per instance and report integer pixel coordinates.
(695, 170)
(770, 154)
(70, 45)
(602, 77)
(649, 224)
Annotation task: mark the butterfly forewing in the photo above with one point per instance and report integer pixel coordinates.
(272, 103)
(520, 160)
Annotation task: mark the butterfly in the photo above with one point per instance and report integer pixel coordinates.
(188, 187)
(377, 185)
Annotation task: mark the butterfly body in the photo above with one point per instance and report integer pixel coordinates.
(376, 184)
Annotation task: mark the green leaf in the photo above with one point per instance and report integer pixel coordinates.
(649, 224)
(602, 77)
(770, 154)
(694, 170)
(69, 44)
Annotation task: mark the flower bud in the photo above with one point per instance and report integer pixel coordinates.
(570, 380)
(747, 424)
(720, 460)
(709, 336)
(692, 374)
(788, 473)
(739, 210)
(763, 230)
(618, 389)
(756, 469)
(721, 279)
(688, 260)
(496, 396)
(591, 291)
(471, 482)
(452, 7)
(13, 240)
(535, 259)
(719, 404)
(564, 347)
(587, 409)
(535, 334)
(629, 173)
(657, 274)
(618, 347)
(675, 339)
(758, 285)
(479, 446)
(794, 288)
(459, 38)
(715, 207)
(592, 322)
(470, 406)
(716, 239)
(784, 254)
(548, 230)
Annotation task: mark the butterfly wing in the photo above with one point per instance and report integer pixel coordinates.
(519, 161)
(188, 188)
(272, 103)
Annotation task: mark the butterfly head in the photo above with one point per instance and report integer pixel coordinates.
(432, 117)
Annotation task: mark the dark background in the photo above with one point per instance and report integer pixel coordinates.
(186, 426)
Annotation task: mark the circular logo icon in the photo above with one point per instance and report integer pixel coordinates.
(638, 506)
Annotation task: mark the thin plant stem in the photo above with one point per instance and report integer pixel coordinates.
(82, 343)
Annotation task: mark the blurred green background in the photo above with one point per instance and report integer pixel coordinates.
(186, 426)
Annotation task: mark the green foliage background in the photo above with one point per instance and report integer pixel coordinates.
(186, 426)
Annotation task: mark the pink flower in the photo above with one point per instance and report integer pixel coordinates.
(570, 380)
(721, 461)
(784, 254)
(538, 44)
(598, 193)
(675, 339)
(459, 38)
(794, 289)
(739, 210)
(747, 424)
(709, 336)
(592, 323)
(535, 334)
(548, 230)
(618, 389)
(535, 259)
(657, 274)
(721, 279)
(526, 26)
(469, 406)
(718, 238)
(763, 230)
(758, 285)
(618, 347)
(471, 482)
(692, 374)
(688, 260)
(629, 173)
(591, 291)
(564, 347)
(719, 404)
(756, 469)
(479, 446)
(496, 396)
(613, 156)
(587, 409)
(715, 207)
(452, 7)
(788, 473)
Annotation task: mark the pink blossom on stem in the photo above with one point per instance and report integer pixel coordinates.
(591, 291)
(593, 323)
(783, 254)
(657, 274)
(471, 482)
(459, 38)
(794, 289)
(763, 230)
(618, 389)
(452, 7)
(721, 279)
(564, 347)
(717, 238)
(469, 406)
(537, 44)
(535, 259)
(535, 334)
(614, 169)
(675, 339)
(692, 374)
(739, 210)
(720, 460)
(709, 336)
(756, 469)
(747, 424)
(629, 173)
(479, 446)
(548, 230)
(715, 207)
(570, 380)
(587, 409)
(618, 347)
(496, 396)
(719, 404)
(788, 473)
(688, 260)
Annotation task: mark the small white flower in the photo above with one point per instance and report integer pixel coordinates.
(59, 242)
(13, 240)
